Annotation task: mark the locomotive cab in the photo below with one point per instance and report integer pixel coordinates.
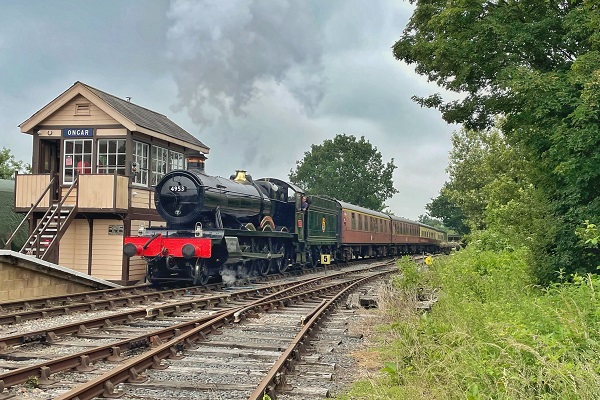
(283, 197)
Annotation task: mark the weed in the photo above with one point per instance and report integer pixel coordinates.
(492, 333)
(392, 370)
(32, 382)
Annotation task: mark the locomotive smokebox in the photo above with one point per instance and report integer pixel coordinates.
(181, 197)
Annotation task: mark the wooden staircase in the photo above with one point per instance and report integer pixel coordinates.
(50, 228)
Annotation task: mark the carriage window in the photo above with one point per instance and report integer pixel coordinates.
(111, 156)
(77, 158)
(353, 221)
(360, 225)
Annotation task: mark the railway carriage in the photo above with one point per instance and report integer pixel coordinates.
(431, 238)
(405, 236)
(365, 233)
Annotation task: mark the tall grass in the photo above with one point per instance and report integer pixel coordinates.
(491, 335)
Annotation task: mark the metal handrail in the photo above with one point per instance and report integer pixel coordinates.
(56, 213)
(45, 221)
(33, 206)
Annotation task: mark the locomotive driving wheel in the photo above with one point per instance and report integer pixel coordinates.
(280, 262)
(263, 265)
(200, 274)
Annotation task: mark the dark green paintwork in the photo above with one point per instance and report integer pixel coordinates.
(322, 221)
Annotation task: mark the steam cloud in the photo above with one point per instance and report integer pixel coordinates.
(229, 53)
(232, 274)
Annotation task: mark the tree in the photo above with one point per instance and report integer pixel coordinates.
(8, 165)
(490, 188)
(434, 222)
(535, 62)
(451, 215)
(348, 169)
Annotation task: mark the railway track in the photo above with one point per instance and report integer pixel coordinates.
(28, 309)
(77, 360)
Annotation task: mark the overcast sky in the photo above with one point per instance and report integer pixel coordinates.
(258, 81)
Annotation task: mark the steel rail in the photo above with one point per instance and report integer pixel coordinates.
(275, 377)
(51, 334)
(81, 361)
(34, 308)
(105, 384)
(27, 304)
(103, 303)
(86, 297)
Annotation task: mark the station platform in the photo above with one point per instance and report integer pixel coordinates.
(24, 277)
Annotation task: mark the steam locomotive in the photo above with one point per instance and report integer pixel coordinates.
(217, 226)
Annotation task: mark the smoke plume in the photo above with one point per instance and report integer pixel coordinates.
(227, 52)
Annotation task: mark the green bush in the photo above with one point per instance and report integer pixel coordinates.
(493, 334)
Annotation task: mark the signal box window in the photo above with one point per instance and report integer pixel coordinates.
(140, 157)
(77, 158)
(111, 156)
(159, 164)
(175, 160)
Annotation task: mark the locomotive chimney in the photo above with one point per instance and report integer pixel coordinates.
(196, 161)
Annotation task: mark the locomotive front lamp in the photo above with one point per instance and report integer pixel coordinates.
(198, 230)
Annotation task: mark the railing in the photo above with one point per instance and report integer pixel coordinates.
(102, 191)
(33, 206)
(53, 214)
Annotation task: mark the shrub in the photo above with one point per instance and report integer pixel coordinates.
(492, 334)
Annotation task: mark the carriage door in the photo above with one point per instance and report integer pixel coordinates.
(49, 162)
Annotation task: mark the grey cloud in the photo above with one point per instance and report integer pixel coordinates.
(223, 50)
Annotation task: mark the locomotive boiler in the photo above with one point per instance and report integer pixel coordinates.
(183, 198)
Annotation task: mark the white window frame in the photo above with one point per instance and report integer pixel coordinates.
(158, 163)
(141, 151)
(176, 160)
(70, 160)
(108, 162)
